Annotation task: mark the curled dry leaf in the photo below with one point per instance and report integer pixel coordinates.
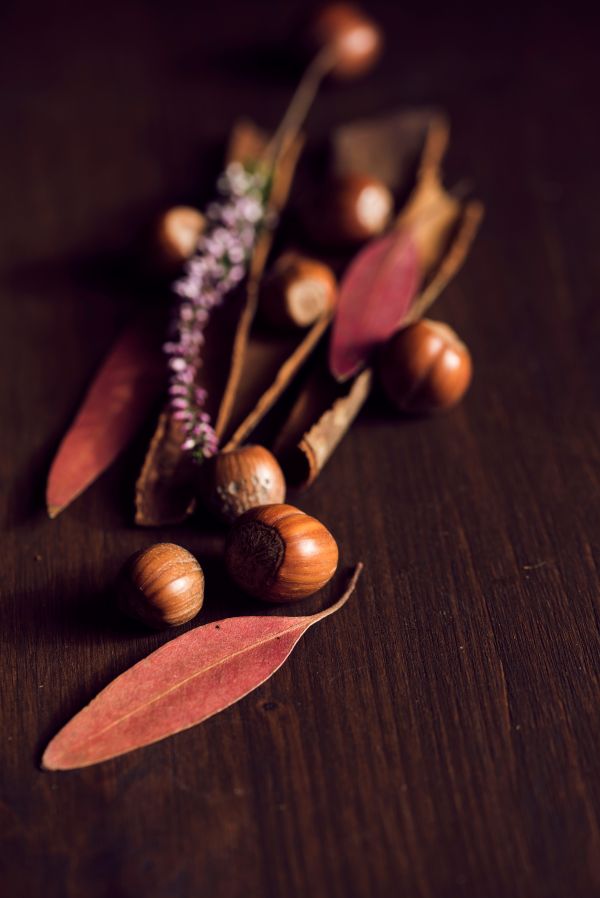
(181, 684)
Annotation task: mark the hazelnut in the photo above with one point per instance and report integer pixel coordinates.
(162, 586)
(240, 479)
(177, 233)
(296, 292)
(354, 208)
(425, 368)
(279, 554)
(355, 39)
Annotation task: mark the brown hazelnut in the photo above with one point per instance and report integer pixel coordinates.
(279, 554)
(177, 233)
(162, 586)
(240, 479)
(353, 208)
(354, 38)
(425, 368)
(296, 292)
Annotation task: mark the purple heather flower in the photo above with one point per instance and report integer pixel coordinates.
(218, 266)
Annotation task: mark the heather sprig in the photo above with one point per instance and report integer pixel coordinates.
(219, 264)
(222, 258)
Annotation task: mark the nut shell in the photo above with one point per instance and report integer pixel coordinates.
(425, 368)
(354, 38)
(162, 586)
(279, 554)
(177, 233)
(243, 478)
(297, 291)
(352, 208)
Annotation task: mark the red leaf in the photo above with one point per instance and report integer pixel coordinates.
(116, 405)
(375, 295)
(181, 684)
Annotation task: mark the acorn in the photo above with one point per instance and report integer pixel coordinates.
(425, 368)
(234, 481)
(353, 208)
(176, 235)
(279, 554)
(296, 292)
(162, 586)
(354, 39)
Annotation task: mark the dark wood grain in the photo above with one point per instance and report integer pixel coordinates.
(439, 737)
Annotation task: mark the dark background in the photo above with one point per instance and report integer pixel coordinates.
(439, 737)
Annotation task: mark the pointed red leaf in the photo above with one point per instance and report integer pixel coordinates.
(374, 297)
(122, 394)
(181, 684)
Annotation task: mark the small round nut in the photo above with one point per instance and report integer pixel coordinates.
(354, 208)
(425, 368)
(177, 233)
(296, 292)
(240, 479)
(279, 554)
(162, 586)
(354, 38)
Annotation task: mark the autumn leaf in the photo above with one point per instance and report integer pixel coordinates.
(118, 401)
(374, 298)
(181, 684)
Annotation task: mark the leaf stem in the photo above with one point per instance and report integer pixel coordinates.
(343, 598)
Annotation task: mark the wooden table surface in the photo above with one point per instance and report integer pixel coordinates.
(439, 736)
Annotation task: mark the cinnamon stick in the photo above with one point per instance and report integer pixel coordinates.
(302, 447)
(248, 143)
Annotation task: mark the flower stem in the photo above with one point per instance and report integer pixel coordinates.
(300, 104)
